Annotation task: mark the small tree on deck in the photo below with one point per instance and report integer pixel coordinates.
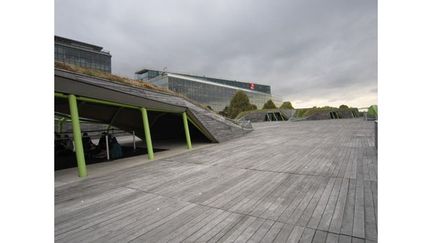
(239, 102)
(286, 105)
(269, 105)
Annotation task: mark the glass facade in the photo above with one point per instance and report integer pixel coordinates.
(216, 96)
(243, 85)
(79, 55)
(216, 93)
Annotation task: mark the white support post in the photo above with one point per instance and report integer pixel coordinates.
(107, 147)
(134, 145)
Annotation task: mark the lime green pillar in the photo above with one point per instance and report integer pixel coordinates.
(186, 128)
(79, 151)
(147, 134)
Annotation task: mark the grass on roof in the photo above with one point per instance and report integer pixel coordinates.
(306, 112)
(124, 80)
(111, 77)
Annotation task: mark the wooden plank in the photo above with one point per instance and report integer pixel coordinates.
(262, 231)
(357, 240)
(192, 226)
(254, 198)
(207, 227)
(308, 189)
(336, 222)
(370, 217)
(316, 216)
(273, 232)
(344, 239)
(114, 214)
(284, 233)
(137, 229)
(296, 234)
(235, 232)
(96, 213)
(279, 205)
(220, 229)
(348, 216)
(320, 237)
(110, 229)
(269, 200)
(304, 211)
(358, 228)
(170, 226)
(250, 230)
(330, 207)
(157, 201)
(307, 236)
(332, 238)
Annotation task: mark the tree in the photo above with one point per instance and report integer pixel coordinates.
(239, 102)
(343, 107)
(286, 105)
(224, 112)
(269, 105)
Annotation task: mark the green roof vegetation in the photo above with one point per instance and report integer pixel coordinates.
(306, 112)
(123, 80)
(239, 102)
(286, 105)
(111, 77)
(373, 111)
(269, 105)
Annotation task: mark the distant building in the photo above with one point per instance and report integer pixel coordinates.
(213, 92)
(81, 54)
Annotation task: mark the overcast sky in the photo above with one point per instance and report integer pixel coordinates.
(311, 52)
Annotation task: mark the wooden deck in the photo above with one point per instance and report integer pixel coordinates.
(312, 181)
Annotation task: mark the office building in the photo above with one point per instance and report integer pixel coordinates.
(81, 54)
(213, 92)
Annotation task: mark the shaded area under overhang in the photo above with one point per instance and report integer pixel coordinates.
(123, 105)
(163, 125)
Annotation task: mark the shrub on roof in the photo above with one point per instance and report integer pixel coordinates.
(239, 102)
(286, 105)
(269, 105)
(373, 111)
(224, 112)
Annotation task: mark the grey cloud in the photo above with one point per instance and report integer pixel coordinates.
(304, 49)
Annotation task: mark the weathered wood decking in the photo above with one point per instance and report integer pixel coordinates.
(313, 181)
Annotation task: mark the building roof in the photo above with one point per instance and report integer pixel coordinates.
(75, 43)
(205, 81)
(249, 86)
(102, 86)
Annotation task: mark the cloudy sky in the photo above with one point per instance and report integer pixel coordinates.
(312, 52)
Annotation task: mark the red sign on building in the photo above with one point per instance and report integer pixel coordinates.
(252, 86)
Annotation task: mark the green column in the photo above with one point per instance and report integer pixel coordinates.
(79, 151)
(147, 134)
(186, 128)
